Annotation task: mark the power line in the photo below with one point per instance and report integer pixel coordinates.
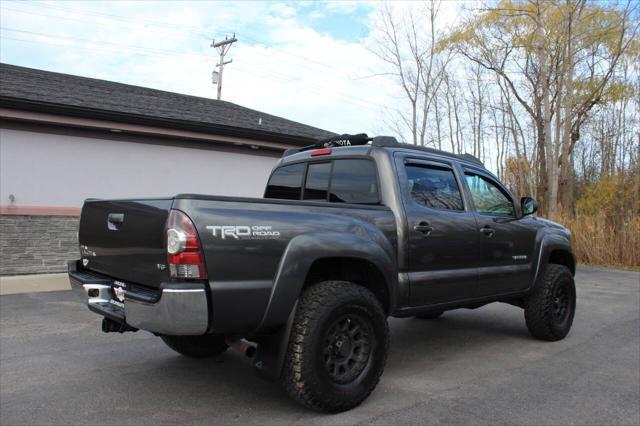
(101, 24)
(168, 53)
(163, 53)
(320, 90)
(116, 17)
(99, 49)
(129, 46)
(306, 87)
(181, 28)
(305, 62)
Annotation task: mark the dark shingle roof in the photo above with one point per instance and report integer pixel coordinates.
(80, 96)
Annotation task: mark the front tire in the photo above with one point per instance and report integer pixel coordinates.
(204, 346)
(338, 347)
(550, 309)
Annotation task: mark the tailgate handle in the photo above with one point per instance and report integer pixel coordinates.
(423, 227)
(114, 221)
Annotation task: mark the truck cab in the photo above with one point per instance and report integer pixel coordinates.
(462, 237)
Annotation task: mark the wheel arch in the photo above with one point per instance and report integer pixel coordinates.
(553, 248)
(353, 269)
(564, 257)
(310, 258)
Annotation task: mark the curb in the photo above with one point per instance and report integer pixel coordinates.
(33, 283)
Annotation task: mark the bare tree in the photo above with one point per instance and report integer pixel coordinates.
(410, 54)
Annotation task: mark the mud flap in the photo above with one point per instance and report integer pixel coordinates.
(272, 349)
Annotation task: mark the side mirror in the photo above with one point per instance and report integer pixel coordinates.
(528, 206)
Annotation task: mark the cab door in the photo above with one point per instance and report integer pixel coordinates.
(506, 242)
(442, 236)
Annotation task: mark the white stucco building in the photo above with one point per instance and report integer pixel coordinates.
(65, 138)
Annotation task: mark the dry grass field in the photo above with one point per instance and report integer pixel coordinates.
(599, 242)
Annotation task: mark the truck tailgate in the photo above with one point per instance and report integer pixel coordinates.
(124, 239)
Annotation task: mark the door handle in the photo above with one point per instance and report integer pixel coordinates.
(423, 227)
(488, 231)
(114, 220)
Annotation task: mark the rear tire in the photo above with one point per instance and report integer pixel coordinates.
(337, 348)
(197, 346)
(550, 309)
(430, 315)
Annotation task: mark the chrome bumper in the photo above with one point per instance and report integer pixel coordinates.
(178, 310)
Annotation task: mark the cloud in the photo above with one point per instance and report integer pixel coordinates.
(283, 63)
(283, 10)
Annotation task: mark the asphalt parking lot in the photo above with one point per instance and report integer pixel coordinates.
(470, 366)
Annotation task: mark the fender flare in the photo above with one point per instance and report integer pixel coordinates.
(302, 251)
(548, 244)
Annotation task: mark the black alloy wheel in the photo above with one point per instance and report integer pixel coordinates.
(337, 348)
(347, 348)
(561, 303)
(551, 306)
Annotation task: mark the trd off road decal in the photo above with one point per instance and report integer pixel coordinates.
(255, 232)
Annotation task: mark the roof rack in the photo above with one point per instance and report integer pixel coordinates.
(390, 141)
(335, 141)
(379, 141)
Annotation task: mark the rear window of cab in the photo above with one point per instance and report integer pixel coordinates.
(338, 181)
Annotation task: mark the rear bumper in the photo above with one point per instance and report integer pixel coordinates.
(176, 309)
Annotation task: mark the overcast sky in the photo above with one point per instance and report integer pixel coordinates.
(305, 61)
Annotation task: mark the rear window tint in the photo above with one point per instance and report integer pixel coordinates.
(285, 183)
(434, 187)
(317, 183)
(339, 181)
(354, 181)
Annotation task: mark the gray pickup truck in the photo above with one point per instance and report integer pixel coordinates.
(350, 231)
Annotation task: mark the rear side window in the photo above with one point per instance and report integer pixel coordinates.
(354, 181)
(338, 181)
(286, 183)
(434, 187)
(317, 184)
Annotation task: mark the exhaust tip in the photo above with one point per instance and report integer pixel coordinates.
(250, 352)
(248, 349)
(111, 326)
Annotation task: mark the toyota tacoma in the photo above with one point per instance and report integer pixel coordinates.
(350, 231)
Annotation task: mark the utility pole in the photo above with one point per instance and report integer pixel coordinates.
(222, 47)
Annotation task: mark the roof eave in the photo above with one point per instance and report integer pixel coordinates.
(83, 112)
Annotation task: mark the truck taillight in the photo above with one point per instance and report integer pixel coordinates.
(184, 253)
(324, 151)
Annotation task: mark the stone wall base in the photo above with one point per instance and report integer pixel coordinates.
(37, 244)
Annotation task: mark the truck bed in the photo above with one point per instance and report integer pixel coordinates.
(243, 240)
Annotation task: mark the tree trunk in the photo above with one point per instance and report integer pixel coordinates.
(449, 115)
(542, 185)
(566, 196)
(544, 127)
(459, 137)
(438, 131)
(414, 123)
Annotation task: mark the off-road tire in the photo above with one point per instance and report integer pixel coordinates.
(544, 319)
(197, 346)
(310, 376)
(430, 315)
